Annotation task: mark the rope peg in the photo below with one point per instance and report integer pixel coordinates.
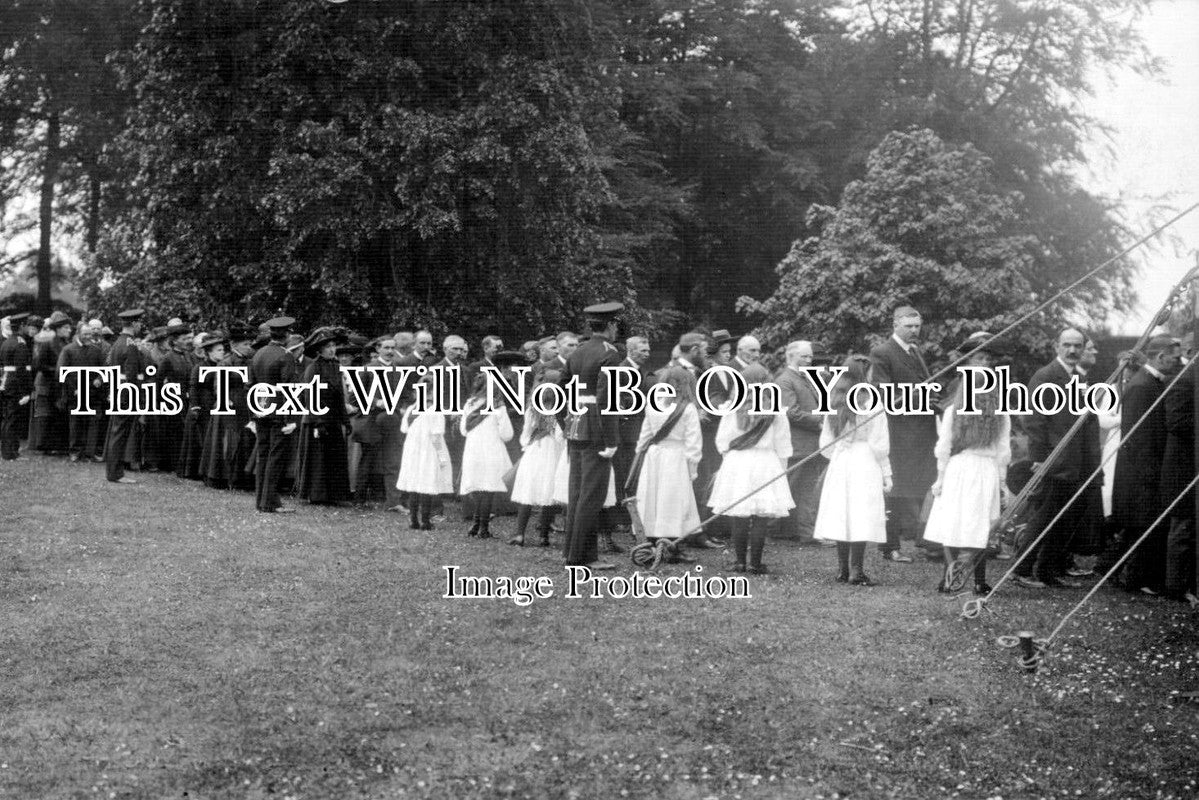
(1032, 650)
(973, 608)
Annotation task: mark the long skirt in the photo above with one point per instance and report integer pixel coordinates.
(192, 450)
(324, 475)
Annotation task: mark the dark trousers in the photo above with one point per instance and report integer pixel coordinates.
(805, 484)
(85, 435)
(1045, 563)
(622, 464)
(274, 453)
(1147, 566)
(12, 425)
(585, 500)
(1181, 557)
(903, 522)
(120, 428)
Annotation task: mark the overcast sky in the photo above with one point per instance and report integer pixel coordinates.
(1155, 148)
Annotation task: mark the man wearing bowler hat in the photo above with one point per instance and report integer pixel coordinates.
(127, 357)
(273, 365)
(591, 437)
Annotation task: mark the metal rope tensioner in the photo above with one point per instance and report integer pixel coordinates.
(1032, 651)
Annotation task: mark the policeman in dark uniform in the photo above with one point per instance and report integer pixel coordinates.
(16, 383)
(272, 364)
(592, 437)
(128, 358)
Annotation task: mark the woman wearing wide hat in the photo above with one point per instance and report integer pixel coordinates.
(324, 474)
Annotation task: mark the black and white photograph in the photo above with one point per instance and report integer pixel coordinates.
(787, 399)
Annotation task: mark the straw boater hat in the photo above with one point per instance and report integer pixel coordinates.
(719, 339)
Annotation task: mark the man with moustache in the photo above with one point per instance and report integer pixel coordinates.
(912, 436)
(1063, 476)
(84, 428)
(800, 399)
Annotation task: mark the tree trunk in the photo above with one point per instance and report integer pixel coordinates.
(46, 213)
(93, 212)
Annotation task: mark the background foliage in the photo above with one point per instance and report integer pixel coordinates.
(492, 167)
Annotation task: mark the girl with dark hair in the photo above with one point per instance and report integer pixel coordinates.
(755, 448)
(973, 451)
(484, 456)
(543, 444)
(852, 511)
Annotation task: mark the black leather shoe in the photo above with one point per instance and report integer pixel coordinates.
(704, 542)
(842, 577)
(861, 580)
(982, 588)
(760, 569)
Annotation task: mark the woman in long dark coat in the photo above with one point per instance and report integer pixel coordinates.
(228, 443)
(324, 475)
(201, 399)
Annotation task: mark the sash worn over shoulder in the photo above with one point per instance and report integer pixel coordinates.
(753, 435)
(630, 484)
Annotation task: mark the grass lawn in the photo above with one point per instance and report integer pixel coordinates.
(163, 640)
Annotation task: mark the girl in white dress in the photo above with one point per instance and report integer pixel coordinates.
(484, 456)
(973, 451)
(755, 450)
(425, 470)
(665, 496)
(852, 511)
(543, 445)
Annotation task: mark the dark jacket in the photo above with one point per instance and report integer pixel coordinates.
(800, 399)
(913, 437)
(1081, 454)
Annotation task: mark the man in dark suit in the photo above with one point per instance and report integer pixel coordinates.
(591, 437)
(1064, 475)
(491, 346)
(1178, 470)
(84, 429)
(913, 437)
(800, 399)
(273, 365)
(128, 358)
(16, 382)
(1136, 491)
(637, 351)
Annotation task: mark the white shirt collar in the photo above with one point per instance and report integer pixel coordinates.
(1155, 372)
(1069, 369)
(907, 347)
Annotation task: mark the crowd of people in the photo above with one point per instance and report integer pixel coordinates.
(843, 479)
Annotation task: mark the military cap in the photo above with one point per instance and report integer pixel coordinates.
(279, 324)
(129, 315)
(19, 319)
(603, 311)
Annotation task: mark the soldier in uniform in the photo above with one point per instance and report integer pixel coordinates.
(591, 437)
(273, 364)
(16, 382)
(129, 359)
(48, 429)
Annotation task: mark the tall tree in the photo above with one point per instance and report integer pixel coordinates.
(419, 162)
(62, 104)
(926, 226)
